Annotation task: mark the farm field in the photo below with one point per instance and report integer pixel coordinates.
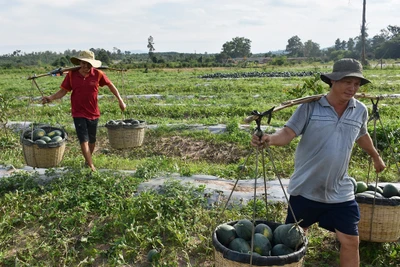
(97, 219)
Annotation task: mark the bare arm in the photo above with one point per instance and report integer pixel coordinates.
(365, 142)
(115, 92)
(57, 95)
(281, 138)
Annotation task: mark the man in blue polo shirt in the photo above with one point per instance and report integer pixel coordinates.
(320, 189)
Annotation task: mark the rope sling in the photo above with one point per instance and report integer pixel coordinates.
(384, 204)
(257, 116)
(48, 152)
(127, 132)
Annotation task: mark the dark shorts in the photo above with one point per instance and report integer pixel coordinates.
(343, 217)
(86, 129)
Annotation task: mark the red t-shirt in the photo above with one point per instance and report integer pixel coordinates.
(84, 103)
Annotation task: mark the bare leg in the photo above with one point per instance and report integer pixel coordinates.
(87, 154)
(349, 250)
(91, 147)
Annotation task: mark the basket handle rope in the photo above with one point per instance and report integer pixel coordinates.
(124, 94)
(34, 83)
(121, 73)
(260, 133)
(30, 101)
(376, 117)
(39, 118)
(257, 116)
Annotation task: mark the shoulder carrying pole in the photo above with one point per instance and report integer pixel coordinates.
(60, 71)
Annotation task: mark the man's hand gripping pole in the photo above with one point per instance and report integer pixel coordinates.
(257, 116)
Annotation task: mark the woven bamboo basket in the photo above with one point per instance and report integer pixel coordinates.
(43, 155)
(379, 219)
(224, 257)
(125, 134)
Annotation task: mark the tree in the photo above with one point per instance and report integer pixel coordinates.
(117, 50)
(16, 53)
(238, 47)
(379, 39)
(338, 44)
(386, 43)
(295, 47)
(311, 49)
(60, 62)
(389, 49)
(360, 46)
(343, 45)
(103, 56)
(394, 30)
(221, 57)
(350, 44)
(150, 44)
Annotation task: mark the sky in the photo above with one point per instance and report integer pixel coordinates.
(184, 26)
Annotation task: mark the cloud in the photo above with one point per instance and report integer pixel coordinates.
(184, 25)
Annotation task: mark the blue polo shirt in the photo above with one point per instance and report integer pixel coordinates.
(323, 153)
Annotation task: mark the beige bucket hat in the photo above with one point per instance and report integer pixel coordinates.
(87, 56)
(346, 67)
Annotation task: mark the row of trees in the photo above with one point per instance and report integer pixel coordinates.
(385, 45)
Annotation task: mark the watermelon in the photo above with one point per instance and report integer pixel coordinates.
(289, 235)
(368, 195)
(54, 133)
(240, 245)
(373, 188)
(111, 122)
(264, 229)
(389, 190)
(45, 138)
(376, 194)
(244, 229)
(38, 133)
(40, 141)
(361, 187)
(261, 244)
(56, 139)
(225, 234)
(153, 255)
(281, 249)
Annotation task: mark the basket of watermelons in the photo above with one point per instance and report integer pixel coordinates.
(43, 146)
(379, 212)
(272, 244)
(126, 133)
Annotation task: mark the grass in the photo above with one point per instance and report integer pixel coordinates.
(81, 219)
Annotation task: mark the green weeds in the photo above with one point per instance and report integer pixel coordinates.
(78, 218)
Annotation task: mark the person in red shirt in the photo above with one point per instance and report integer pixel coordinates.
(84, 84)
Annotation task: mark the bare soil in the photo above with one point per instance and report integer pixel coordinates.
(190, 149)
(186, 148)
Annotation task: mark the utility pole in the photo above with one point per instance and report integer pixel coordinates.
(363, 61)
